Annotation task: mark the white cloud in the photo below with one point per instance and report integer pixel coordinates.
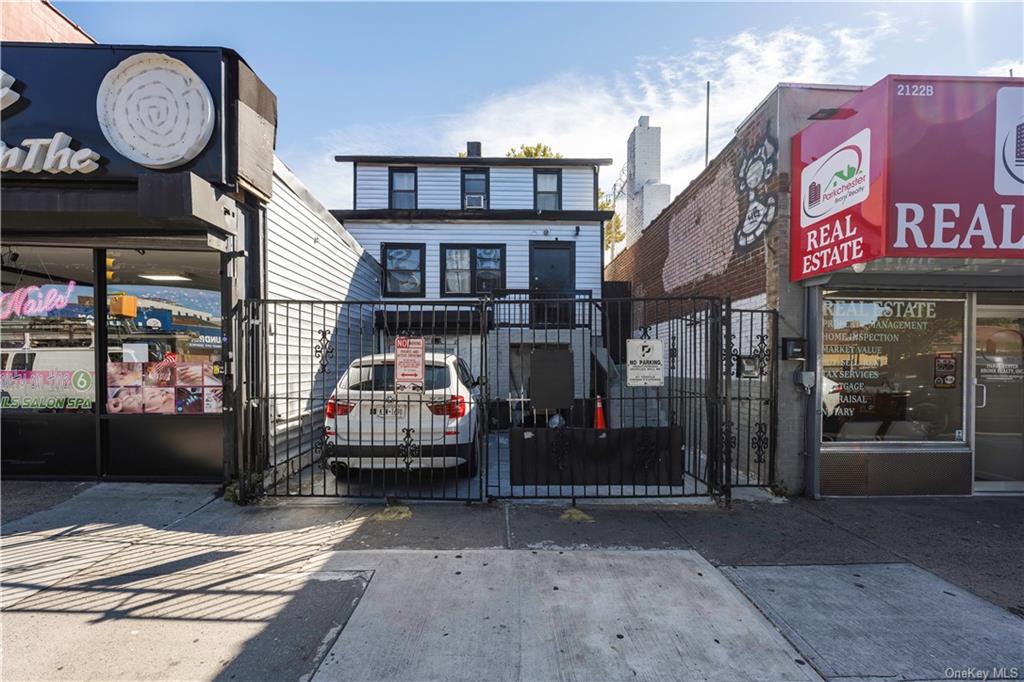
(1003, 67)
(589, 115)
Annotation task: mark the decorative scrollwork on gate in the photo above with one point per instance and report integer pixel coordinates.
(729, 437)
(319, 443)
(324, 349)
(408, 449)
(759, 442)
(762, 353)
(730, 354)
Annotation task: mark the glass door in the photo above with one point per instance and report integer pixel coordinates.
(999, 397)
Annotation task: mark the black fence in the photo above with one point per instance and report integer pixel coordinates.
(520, 396)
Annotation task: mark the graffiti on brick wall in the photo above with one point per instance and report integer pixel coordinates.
(700, 241)
(758, 165)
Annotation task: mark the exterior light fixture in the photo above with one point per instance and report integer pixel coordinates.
(166, 278)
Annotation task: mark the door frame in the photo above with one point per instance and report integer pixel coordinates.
(553, 244)
(975, 310)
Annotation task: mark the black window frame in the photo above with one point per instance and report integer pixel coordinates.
(443, 252)
(415, 186)
(487, 187)
(557, 172)
(422, 248)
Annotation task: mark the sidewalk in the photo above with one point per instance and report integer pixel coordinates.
(123, 581)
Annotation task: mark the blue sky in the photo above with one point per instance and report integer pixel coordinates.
(422, 78)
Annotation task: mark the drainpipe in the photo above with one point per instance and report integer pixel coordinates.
(812, 402)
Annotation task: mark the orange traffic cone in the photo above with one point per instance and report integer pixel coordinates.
(599, 415)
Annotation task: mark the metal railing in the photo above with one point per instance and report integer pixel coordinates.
(537, 378)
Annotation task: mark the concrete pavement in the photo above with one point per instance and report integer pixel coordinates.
(549, 615)
(127, 581)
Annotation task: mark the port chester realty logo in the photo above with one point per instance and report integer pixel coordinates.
(836, 181)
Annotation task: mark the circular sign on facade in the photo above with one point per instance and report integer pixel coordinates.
(155, 110)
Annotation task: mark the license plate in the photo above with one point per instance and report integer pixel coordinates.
(397, 412)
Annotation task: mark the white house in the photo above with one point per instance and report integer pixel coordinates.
(522, 231)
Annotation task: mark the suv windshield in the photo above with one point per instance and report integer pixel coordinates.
(382, 378)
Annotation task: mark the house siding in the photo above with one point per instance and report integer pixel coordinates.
(516, 237)
(440, 187)
(310, 257)
(578, 189)
(371, 186)
(511, 188)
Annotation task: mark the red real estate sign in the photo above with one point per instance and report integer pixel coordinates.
(913, 166)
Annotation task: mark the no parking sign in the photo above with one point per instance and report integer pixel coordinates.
(409, 370)
(645, 362)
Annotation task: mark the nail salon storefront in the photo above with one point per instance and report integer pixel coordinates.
(132, 186)
(907, 235)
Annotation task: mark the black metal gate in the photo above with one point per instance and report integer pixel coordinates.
(521, 395)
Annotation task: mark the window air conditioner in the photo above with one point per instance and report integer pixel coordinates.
(474, 201)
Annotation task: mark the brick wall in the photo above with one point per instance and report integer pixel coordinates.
(37, 21)
(711, 239)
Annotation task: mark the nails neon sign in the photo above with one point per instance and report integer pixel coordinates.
(34, 301)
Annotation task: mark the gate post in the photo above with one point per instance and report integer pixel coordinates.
(728, 438)
(712, 390)
(484, 457)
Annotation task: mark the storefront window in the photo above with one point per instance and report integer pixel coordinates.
(164, 334)
(892, 367)
(47, 325)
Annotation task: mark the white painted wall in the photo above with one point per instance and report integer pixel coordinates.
(516, 237)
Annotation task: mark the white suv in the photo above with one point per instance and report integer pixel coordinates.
(371, 426)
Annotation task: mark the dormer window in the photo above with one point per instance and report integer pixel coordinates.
(402, 188)
(547, 190)
(475, 183)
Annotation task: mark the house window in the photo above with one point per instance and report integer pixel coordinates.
(474, 188)
(403, 269)
(547, 190)
(403, 188)
(468, 269)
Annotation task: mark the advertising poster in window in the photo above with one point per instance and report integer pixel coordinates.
(164, 333)
(163, 387)
(892, 369)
